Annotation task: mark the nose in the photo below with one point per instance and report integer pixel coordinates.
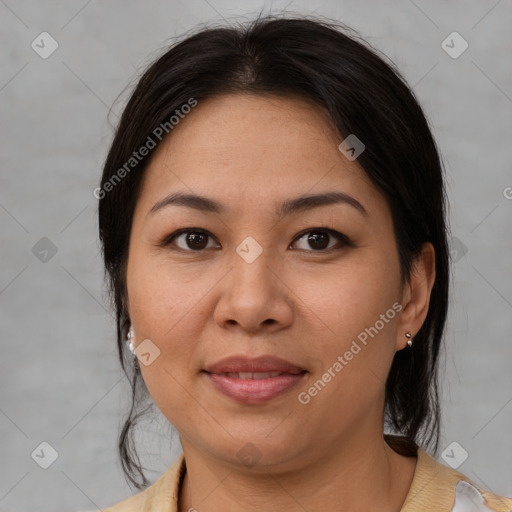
(254, 297)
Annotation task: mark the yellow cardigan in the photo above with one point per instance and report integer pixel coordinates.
(433, 489)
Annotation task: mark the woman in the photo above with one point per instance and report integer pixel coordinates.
(272, 216)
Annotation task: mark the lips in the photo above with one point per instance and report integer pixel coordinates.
(254, 380)
(262, 364)
(253, 375)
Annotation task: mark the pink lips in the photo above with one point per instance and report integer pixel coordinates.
(254, 380)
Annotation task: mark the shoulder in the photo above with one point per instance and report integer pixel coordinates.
(436, 487)
(162, 495)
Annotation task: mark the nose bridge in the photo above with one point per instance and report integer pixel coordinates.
(255, 257)
(252, 295)
(252, 263)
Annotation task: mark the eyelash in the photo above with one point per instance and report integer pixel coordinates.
(345, 240)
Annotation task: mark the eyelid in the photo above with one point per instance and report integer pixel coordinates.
(344, 239)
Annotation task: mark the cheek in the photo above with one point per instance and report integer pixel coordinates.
(359, 309)
(162, 296)
(166, 306)
(353, 296)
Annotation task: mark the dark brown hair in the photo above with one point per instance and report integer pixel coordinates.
(329, 65)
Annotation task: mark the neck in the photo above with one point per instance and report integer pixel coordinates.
(359, 475)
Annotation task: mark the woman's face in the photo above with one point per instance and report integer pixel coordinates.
(260, 280)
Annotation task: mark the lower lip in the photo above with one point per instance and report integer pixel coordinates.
(254, 391)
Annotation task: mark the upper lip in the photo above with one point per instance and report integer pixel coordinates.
(267, 363)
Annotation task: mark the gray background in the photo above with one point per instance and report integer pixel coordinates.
(60, 380)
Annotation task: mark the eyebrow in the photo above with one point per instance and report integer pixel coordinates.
(295, 205)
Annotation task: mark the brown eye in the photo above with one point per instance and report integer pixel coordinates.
(189, 240)
(319, 239)
(196, 240)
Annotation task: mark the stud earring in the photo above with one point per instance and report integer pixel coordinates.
(409, 338)
(129, 341)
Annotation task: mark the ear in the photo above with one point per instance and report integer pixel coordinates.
(416, 294)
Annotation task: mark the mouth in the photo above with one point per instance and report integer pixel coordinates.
(242, 365)
(256, 380)
(253, 375)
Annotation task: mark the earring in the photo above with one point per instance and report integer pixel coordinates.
(129, 341)
(409, 338)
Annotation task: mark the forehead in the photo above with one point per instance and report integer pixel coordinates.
(254, 148)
